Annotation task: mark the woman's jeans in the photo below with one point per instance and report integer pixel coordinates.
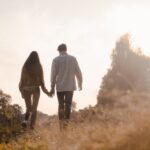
(31, 100)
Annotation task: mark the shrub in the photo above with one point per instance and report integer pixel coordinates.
(10, 118)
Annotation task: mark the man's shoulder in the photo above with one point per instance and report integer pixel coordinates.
(55, 59)
(60, 57)
(71, 56)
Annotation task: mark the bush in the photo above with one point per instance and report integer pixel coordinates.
(129, 70)
(10, 118)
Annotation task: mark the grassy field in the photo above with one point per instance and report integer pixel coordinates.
(123, 125)
(119, 121)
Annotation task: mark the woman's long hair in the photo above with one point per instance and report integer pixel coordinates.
(33, 67)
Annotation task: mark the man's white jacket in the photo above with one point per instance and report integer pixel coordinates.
(64, 72)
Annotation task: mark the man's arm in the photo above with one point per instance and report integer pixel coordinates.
(53, 77)
(78, 74)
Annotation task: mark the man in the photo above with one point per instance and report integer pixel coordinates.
(63, 72)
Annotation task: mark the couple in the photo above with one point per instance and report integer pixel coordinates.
(63, 72)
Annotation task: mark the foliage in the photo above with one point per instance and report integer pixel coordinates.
(129, 70)
(10, 118)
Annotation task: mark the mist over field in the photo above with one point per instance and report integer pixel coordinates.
(119, 121)
(89, 28)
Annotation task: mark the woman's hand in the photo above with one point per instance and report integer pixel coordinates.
(52, 93)
(49, 94)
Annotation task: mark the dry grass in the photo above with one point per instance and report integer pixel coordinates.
(125, 126)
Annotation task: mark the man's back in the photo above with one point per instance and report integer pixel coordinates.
(64, 69)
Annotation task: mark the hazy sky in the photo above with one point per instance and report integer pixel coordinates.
(90, 29)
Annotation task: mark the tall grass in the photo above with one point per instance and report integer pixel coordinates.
(119, 121)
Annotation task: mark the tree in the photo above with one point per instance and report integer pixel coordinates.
(10, 117)
(129, 70)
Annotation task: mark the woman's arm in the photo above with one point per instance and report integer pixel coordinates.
(22, 79)
(43, 83)
(44, 88)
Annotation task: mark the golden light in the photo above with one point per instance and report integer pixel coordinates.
(133, 20)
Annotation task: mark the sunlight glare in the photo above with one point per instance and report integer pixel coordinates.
(134, 21)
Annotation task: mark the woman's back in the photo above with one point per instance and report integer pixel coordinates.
(31, 79)
(32, 72)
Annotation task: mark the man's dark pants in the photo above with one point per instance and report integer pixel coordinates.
(65, 101)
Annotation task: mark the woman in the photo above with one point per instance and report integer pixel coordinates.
(31, 80)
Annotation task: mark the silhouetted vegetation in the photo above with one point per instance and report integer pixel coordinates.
(129, 70)
(10, 118)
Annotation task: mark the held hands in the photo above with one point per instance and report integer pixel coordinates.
(48, 94)
(52, 93)
(80, 87)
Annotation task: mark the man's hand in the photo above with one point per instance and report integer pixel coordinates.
(52, 93)
(80, 87)
(48, 94)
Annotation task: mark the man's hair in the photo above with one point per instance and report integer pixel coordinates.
(62, 47)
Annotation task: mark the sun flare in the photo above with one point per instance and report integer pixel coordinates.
(133, 20)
